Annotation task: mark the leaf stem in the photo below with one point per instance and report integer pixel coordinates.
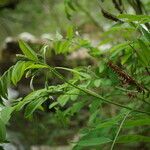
(89, 92)
(122, 122)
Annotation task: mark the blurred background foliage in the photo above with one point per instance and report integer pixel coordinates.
(47, 16)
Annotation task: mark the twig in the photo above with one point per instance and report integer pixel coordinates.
(122, 122)
(93, 93)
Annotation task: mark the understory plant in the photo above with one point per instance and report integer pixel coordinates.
(114, 91)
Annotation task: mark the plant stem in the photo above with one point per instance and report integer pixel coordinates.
(122, 122)
(125, 90)
(93, 93)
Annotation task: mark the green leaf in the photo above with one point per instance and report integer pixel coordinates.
(137, 122)
(107, 124)
(101, 67)
(67, 8)
(62, 118)
(71, 5)
(94, 141)
(119, 47)
(146, 34)
(130, 18)
(62, 47)
(5, 114)
(117, 29)
(5, 81)
(31, 107)
(97, 82)
(27, 51)
(94, 105)
(85, 75)
(3, 88)
(53, 105)
(110, 122)
(70, 33)
(73, 94)
(77, 106)
(132, 138)
(144, 53)
(63, 99)
(18, 71)
(36, 66)
(32, 96)
(125, 58)
(93, 117)
(2, 131)
(95, 52)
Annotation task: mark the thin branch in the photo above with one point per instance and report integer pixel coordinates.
(120, 127)
(108, 15)
(93, 93)
(132, 91)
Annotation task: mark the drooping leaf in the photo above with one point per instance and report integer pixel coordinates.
(94, 141)
(130, 18)
(125, 58)
(93, 117)
(5, 114)
(53, 105)
(70, 32)
(63, 99)
(73, 94)
(5, 82)
(146, 34)
(137, 122)
(132, 138)
(32, 96)
(18, 71)
(143, 53)
(116, 49)
(32, 106)
(75, 108)
(27, 51)
(110, 122)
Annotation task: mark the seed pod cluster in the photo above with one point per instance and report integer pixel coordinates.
(110, 16)
(125, 78)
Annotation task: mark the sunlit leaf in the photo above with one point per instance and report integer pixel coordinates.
(27, 51)
(34, 105)
(18, 71)
(5, 114)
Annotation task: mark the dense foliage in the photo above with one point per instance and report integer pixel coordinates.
(114, 90)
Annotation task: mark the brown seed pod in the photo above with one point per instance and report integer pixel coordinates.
(131, 95)
(125, 78)
(110, 16)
